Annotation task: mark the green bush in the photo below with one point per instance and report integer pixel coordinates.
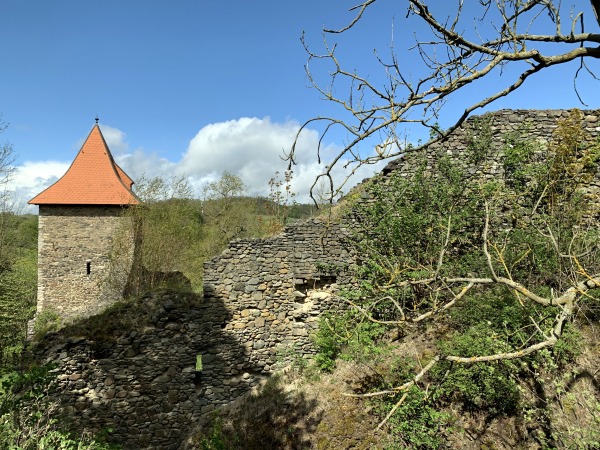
(568, 347)
(28, 417)
(416, 424)
(47, 321)
(17, 304)
(491, 387)
(402, 230)
(502, 315)
(346, 336)
(215, 438)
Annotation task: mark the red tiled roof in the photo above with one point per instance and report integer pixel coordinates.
(93, 179)
(128, 182)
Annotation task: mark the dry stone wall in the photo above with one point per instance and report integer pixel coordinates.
(139, 376)
(479, 147)
(494, 129)
(268, 286)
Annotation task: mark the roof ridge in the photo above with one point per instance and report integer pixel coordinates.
(117, 170)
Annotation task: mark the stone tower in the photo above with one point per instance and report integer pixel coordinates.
(79, 217)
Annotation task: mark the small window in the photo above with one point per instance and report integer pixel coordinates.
(88, 267)
(198, 374)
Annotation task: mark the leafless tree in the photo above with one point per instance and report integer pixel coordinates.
(480, 40)
(7, 158)
(7, 170)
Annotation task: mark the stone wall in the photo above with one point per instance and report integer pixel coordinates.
(264, 285)
(490, 134)
(133, 368)
(74, 262)
(495, 128)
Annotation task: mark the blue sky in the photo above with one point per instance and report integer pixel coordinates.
(195, 87)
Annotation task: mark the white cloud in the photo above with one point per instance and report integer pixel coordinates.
(138, 163)
(250, 148)
(32, 177)
(115, 139)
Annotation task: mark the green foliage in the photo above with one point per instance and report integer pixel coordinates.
(215, 438)
(493, 323)
(17, 388)
(521, 169)
(574, 160)
(479, 139)
(550, 179)
(18, 283)
(18, 234)
(490, 386)
(346, 336)
(329, 340)
(170, 227)
(166, 231)
(583, 433)
(417, 423)
(28, 418)
(228, 215)
(546, 192)
(17, 302)
(47, 321)
(568, 347)
(403, 230)
(501, 314)
(18, 245)
(416, 230)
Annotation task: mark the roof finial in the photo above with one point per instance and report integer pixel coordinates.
(97, 119)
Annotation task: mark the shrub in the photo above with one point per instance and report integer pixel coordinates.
(347, 336)
(28, 417)
(491, 387)
(416, 424)
(47, 321)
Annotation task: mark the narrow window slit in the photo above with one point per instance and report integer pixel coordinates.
(88, 267)
(198, 374)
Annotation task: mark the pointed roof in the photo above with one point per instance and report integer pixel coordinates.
(93, 179)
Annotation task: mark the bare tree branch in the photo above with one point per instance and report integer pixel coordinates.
(362, 7)
(377, 111)
(596, 8)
